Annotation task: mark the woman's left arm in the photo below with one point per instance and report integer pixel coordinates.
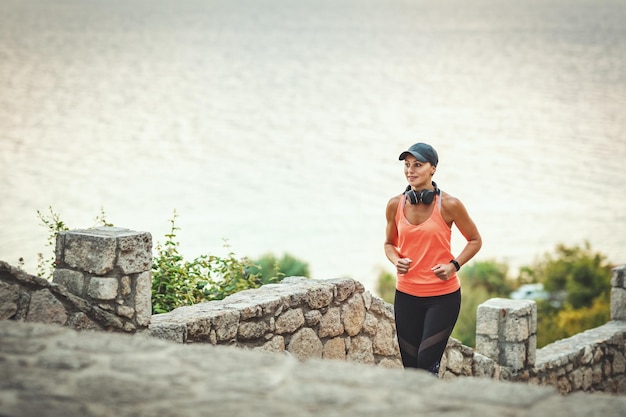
(455, 211)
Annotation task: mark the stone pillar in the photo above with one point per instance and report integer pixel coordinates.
(110, 267)
(618, 293)
(506, 331)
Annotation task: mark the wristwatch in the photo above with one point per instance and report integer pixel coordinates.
(455, 263)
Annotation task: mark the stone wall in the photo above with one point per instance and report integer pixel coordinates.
(506, 347)
(102, 282)
(592, 361)
(51, 371)
(330, 319)
(28, 298)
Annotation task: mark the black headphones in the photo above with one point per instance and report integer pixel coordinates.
(423, 196)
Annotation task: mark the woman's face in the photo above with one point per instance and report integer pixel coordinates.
(418, 174)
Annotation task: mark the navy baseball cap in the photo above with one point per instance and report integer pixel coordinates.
(422, 152)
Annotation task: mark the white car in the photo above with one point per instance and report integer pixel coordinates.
(530, 292)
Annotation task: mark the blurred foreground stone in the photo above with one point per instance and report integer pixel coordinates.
(51, 371)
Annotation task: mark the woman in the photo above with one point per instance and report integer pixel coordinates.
(418, 244)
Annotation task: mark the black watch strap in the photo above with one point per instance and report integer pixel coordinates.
(456, 264)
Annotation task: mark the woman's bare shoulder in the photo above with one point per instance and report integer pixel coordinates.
(452, 204)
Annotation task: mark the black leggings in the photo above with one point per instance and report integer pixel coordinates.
(423, 325)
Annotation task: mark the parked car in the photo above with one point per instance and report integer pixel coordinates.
(530, 292)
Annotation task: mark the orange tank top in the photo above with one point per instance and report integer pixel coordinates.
(426, 244)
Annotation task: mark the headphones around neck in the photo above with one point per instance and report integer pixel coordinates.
(423, 196)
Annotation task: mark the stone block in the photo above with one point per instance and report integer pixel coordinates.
(135, 252)
(320, 296)
(488, 347)
(251, 330)
(330, 323)
(488, 320)
(125, 286)
(353, 315)
(276, 344)
(370, 324)
(618, 303)
(312, 318)
(102, 288)
(454, 360)
(514, 356)
(74, 281)
(483, 366)
(531, 351)
(516, 328)
(619, 363)
(504, 331)
(344, 288)
(226, 324)
(89, 250)
(175, 332)
(9, 297)
(46, 308)
(80, 321)
(361, 350)
(290, 321)
(385, 343)
(306, 345)
(335, 349)
(143, 298)
(533, 320)
(125, 311)
(617, 276)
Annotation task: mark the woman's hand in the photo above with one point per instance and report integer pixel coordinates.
(444, 271)
(403, 265)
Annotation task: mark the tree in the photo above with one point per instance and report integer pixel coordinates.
(270, 269)
(490, 275)
(580, 280)
(480, 281)
(578, 272)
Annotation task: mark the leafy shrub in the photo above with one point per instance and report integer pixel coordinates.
(270, 269)
(177, 282)
(386, 286)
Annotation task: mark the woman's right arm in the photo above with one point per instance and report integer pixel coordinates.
(391, 241)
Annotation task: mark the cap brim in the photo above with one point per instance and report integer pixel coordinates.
(416, 155)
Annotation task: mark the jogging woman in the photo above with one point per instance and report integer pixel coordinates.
(418, 244)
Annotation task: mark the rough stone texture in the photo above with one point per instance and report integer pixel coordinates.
(87, 250)
(307, 319)
(618, 303)
(56, 372)
(26, 297)
(317, 318)
(108, 266)
(504, 332)
(590, 361)
(9, 298)
(134, 252)
(618, 293)
(102, 288)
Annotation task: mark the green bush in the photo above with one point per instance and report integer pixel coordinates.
(177, 282)
(386, 286)
(270, 269)
(581, 279)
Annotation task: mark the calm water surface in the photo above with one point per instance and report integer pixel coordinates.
(277, 124)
